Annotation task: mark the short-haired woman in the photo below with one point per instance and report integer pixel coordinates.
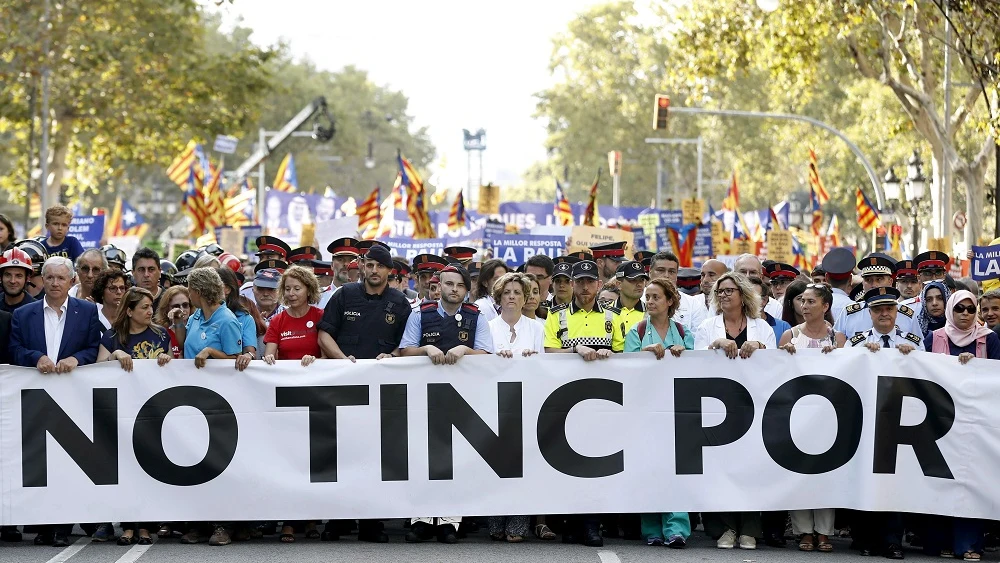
(491, 271)
(658, 333)
(173, 311)
(133, 336)
(814, 527)
(737, 330)
(109, 289)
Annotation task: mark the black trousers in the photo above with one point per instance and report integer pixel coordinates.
(876, 530)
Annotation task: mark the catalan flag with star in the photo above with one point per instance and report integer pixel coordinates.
(125, 221)
(416, 204)
(816, 185)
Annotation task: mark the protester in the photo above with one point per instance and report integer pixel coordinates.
(562, 284)
(266, 295)
(7, 234)
(15, 271)
(146, 273)
(691, 311)
(542, 267)
(989, 309)
(710, 272)
(532, 302)
(791, 308)
(293, 333)
(659, 333)
(434, 288)
(779, 326)
(252, 327)
(515, 334)
(491, 271)
(55, 335)
(632, 279)
(445, 331)
(932, 315)
(609, 293)
(173, 312)
(59, 243)
(89, 265)
(109, 289)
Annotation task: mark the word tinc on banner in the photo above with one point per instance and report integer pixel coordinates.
(986, 262)
(517, 249)
(88, 229)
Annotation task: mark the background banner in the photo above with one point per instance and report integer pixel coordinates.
(549, 434)
(517, 249)
(88, 229)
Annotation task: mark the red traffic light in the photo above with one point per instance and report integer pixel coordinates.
(663, 101)
(661, 110)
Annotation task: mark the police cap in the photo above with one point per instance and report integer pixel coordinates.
(881, 296)
(585, 269)
(839, 263)
(932, 260)
(612, 250)
(564, 269)
(877, 264)
(631, 270)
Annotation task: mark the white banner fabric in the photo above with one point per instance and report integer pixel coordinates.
(641, 435)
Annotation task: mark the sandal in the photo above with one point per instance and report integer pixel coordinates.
(497, 537)
(145, 540)
(971, 556)
(287, 537)
(805, 545)
(514, 539)
(543, 532)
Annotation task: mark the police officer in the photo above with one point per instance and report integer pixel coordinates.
(562, 284)
(876, 271)
(342, 252)
(364, 321)
(425, 266)
(688, 279)
(818, 275)
(632, 279)
(932, 265)
(839, 267)
(908, 282)
(607, 256)
(272, 248)
(463, 254)
(445, 331)
(780, 275)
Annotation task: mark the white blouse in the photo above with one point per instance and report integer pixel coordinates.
(528, 335)
(713, 328)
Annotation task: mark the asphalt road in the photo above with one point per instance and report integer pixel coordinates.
(478, 548)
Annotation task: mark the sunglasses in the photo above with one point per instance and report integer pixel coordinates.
(971, 309)
(181, 306)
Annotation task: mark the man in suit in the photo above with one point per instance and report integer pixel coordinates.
(55, 335)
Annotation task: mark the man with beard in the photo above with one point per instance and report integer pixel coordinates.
(364, 321)
(607, 256)
(445, 331)
(16, 269)
(89, 265)
(342, 251)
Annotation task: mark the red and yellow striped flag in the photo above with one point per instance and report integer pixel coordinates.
(456, 219)
(369, 215)
(215, 202)
(867, 214)
(591, 216)
(179, 169)
(732, 201)
(822, 196)
(416, 204)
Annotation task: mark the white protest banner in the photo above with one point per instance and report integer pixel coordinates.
(541, 435)
(333, 229)
(410, 247)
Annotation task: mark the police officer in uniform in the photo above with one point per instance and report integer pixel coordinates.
(272, 248)
(882, 532)
(364, 320)
(780, 275)
(932, 265)
(688, 279)
(463, 254)
(876, 271)
(908, 282)
(607, 256)
(839, 267)
(632, 279)
(425, 267)
(342, 252)
(445, 331)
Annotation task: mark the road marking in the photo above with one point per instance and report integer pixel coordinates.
(608, 557)
(70, 551)
(134, 553)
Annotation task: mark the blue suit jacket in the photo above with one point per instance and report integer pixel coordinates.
(81, 336)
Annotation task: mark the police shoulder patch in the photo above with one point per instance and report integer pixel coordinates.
(854, 308)
(858, 338)
(560, 307)
(912, 337)
(429, 306)
(470, 307)
(613, 309)
(906, 311)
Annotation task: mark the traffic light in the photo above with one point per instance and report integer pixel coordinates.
(660, 111)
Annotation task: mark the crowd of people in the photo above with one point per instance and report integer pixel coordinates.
(64, 307)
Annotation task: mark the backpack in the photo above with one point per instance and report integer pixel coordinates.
(641, 329)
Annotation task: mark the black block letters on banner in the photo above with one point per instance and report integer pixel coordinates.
(41, 415)
(777, 430)
(322, 402)
(889, 434)
(552, 440)
(690, 437)
(147, 435)
(503, 451)
(395, 446)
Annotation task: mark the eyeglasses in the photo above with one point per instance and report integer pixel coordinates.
(971, 309)
(823, 286)
(727, 291)
(89, 269)
(184, 305)
(117, 288)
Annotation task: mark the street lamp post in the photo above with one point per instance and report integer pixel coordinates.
(913, 191)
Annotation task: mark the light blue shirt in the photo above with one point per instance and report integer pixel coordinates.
(248, 330)
(221, 331)
(412, 332)
(673, 338)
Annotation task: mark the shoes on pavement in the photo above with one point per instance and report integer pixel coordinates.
(243, 533)
(446, 534)
(104, 533)
(748, 542)
(654, 541)
(727, 540)
(894, 551)
(373, 536)
(43, 538)
(220, 536)
(193, 536)
(419, 531)
(10, 534)
(774, 540)
(60, 540)
(592, 538)
(677, 542)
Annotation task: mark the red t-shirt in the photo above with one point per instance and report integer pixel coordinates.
(295, 337)
(175, 348)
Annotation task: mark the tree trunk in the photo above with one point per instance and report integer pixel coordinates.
(974, 202)
(58, 149)
(936, 189)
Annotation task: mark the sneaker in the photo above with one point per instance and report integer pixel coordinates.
(748, 542)
(727, 541)
(193, 536)
(105, 532)
(677, 542)
(654, 541)
(220, 536)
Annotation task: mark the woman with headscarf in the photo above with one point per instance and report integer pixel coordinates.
(961, 336)
(932, 314)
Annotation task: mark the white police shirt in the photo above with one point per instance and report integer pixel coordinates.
(894, 339)
(840, 302)
(857, 319)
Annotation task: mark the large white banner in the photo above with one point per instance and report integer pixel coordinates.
(543, 435)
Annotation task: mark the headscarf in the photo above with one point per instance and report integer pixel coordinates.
(958, 336)
(924, 317)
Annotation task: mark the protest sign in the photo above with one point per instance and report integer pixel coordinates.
(583, 237)
(517, 249)
(88, 229)
(986, 262)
